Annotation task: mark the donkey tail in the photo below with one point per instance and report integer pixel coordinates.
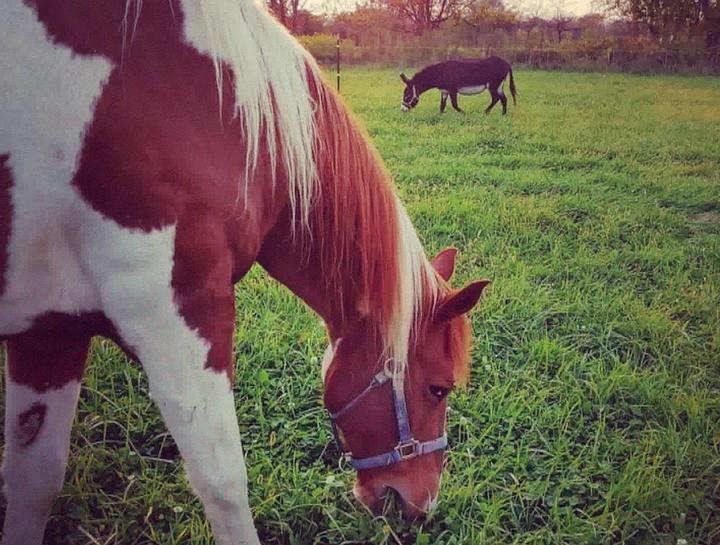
(513, 90)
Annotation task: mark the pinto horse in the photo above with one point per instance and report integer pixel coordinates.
(150, 153)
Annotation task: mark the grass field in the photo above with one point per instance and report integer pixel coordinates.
(594, 410)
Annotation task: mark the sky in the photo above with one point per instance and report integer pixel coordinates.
(571, 7)
(533, 7)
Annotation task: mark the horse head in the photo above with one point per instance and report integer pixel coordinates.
(393, 428)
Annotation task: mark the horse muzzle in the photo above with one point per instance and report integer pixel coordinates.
(377, 497)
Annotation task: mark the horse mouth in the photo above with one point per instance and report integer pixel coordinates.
(386, 499)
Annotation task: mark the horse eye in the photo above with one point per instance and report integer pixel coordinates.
(439, 392)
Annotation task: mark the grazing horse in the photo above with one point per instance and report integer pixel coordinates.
(460, 77)
(150, 153)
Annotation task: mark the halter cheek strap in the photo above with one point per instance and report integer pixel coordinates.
(407, 448)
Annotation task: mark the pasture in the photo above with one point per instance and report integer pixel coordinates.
(593, 415)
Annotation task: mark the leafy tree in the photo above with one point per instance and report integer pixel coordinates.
(489, 15)
(663, 18)
(369, 23)
(528, 24)
(307, 23)
(591, 21)
(711, 22)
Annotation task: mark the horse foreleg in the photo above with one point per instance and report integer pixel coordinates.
(177, 314)
(42, 387)
(199, 411)
(443, 101)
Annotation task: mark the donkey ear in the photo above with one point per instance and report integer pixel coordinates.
(461, 301)
(444, 263)
(404, 78)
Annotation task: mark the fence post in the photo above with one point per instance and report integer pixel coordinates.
(337, 61)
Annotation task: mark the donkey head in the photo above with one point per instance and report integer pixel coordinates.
(410, 95)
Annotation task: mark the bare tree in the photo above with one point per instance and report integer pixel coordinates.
(286, 11)
(561, 21)
(426, 15)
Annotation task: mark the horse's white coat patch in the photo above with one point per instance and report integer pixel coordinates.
(472, 89)
(66, 257)
(47, 102)
(33, 473)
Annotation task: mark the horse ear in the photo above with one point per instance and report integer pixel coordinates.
(404, 78)
(461, 302)
(444, 263)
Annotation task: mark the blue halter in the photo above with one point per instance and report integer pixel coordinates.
(407, 448)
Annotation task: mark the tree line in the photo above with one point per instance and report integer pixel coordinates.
(658, 32)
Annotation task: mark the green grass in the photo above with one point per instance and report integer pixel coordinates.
(594, 410)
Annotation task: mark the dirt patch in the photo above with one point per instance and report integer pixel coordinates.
(706, 217)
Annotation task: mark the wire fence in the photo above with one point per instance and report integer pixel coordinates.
(570, 56)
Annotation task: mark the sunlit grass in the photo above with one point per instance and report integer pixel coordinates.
(594, 410)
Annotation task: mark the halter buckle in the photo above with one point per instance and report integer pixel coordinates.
(407, 451)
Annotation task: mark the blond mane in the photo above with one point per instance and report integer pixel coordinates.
(340, 194)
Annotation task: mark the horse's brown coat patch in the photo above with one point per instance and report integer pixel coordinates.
(5, 215)
(30, 423)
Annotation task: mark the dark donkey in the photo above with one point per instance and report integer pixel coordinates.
(464, 77)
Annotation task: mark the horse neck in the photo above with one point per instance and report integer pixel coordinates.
(299, 261)
(357, 259)
(299, 268)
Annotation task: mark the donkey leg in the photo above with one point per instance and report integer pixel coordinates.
(503, 98)
(42, 387)
(453, 100)
(443, 101)
(177, 314)
(495, 98)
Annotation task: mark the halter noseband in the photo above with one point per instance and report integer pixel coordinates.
(413, 101)
(407, 448)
